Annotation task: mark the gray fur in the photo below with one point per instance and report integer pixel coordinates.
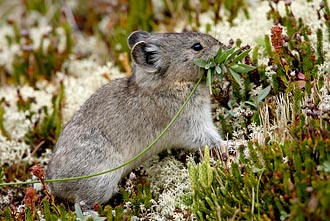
(125, 115)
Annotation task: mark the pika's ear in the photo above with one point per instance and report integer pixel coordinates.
(137, 36)
(147, 55)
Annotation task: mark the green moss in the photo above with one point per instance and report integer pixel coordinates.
(319, 48)
(297, 99)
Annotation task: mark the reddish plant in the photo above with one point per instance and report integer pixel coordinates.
(277, 39)
(39, 172)
(30, 199)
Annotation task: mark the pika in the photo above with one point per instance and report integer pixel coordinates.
(125, 115)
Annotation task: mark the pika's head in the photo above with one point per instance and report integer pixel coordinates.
(171, 56)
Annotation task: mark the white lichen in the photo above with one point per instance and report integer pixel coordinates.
(170, 181)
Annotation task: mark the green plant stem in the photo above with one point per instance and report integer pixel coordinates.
(258, 186)
(147, 148)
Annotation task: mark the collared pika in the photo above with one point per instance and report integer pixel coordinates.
(127, 114)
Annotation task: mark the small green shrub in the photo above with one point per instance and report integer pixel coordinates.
(272, 182)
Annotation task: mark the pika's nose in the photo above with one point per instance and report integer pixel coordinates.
(215, 48)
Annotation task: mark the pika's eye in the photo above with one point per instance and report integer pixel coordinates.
(197, 47)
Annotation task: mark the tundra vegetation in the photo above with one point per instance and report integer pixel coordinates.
(270, 93)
